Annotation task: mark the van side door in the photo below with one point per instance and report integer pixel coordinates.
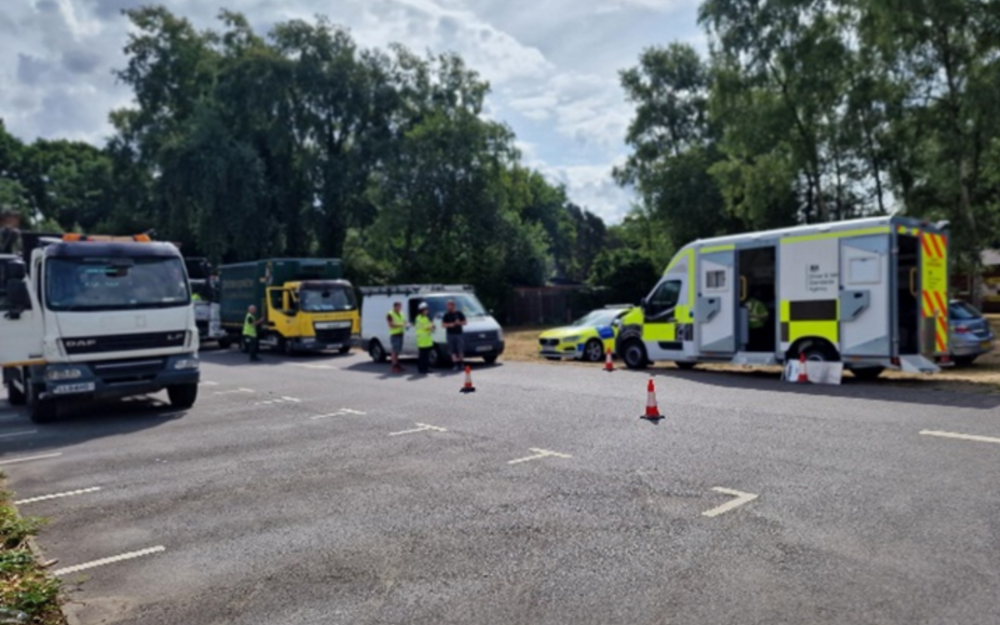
(715, 310)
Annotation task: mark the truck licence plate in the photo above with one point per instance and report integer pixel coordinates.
(333, 325)
(70, 389)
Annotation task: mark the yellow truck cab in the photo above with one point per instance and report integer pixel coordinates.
(871, 293)
(306, 304)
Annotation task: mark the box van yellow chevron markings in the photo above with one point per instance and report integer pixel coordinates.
(935, 287)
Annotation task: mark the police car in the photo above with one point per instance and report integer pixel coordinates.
(587, 338)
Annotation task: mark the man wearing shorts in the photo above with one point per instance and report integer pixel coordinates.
(453, 321)
(397, 325)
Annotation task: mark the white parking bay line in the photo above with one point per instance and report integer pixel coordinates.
(961, 437)
(539, 453)
(72, 493)
(423, 428)
(24, 433)
(96, 563)
(30, 458)
(741, 498)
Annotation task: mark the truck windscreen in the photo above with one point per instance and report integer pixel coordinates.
(327, 299)
(115, 283)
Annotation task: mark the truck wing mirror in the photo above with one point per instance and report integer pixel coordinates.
(19, 298)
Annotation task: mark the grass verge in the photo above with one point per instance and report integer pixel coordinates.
(24, 585)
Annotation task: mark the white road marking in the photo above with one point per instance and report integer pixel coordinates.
(280, 400)
(310, 366)
(96, 563)
(963, 437)
(539, 453)
(239, 390)
(423, 428)
(741, 498)
(24, 433)
(206, 383)
(340, 413)
(82, 491)
(30, 458)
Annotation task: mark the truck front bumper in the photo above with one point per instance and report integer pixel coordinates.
(117, 378)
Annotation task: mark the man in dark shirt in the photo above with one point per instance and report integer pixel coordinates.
(453, 321)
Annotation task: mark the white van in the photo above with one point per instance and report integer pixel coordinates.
(483, 335)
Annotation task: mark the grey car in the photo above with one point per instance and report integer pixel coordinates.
(971, 335)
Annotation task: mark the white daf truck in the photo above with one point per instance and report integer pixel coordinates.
(96, 317)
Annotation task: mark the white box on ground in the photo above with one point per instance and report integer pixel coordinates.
(817, 372)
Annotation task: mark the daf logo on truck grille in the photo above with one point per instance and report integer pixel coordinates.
(80, 342)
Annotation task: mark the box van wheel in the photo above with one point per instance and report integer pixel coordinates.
(817, 351)
(376, 351)
(634, 354)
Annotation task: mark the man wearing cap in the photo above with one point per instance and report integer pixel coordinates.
(425, 338)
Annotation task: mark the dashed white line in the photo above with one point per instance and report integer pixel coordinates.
(96, 563)
(311, 366)
(423, 428)
(30, 458)
(963, 437)
(72, 493)
(539, 453)
(280, 400)
(239, 390)
(343, 412)
(741, 498)
(207, 383)
(24, 433)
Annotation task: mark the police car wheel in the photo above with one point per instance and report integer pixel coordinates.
(634, 355)
(593, 351)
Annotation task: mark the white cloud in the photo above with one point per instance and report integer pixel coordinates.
(553, 66)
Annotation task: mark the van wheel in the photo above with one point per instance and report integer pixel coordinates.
(491, 359)
(40, 410)
(437, 358)
(593, 351)
(685, 366)
(867, 373)
(182, 395)
(345, 349)
(819, 352)
(634, 354)
(376, 351)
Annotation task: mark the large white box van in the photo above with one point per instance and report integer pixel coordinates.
(483, 335)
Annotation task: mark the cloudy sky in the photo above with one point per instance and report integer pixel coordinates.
(553, 66)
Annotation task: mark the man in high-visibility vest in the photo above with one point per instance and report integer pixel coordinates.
(250, 332)
(756, 312)
(425, 338)
(397, 326)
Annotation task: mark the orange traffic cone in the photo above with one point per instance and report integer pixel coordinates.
(609, 364)
(468, 387)
(652, 412)
(803, 376)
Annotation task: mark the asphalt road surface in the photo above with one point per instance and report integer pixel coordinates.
(319, 490)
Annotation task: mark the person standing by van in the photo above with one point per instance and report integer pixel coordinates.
(425, 338)
(397, 326)
(454, 321)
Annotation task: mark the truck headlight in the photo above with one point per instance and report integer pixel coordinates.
(63, 373)
(185, 364)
